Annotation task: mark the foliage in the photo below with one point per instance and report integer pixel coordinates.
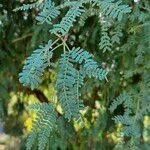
(114, 9)
(49, 12)
(91, 52)
(42, 126)
(35, 65)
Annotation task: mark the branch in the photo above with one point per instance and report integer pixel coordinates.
(41, 97)
(22, 38)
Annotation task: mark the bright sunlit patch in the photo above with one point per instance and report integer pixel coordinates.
(28, 122)
(146, 129)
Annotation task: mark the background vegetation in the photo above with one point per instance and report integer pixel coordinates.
(116, 112)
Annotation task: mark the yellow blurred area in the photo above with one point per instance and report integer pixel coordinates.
(27, 116)
(15, 97)
(146, 135)
(28, 122)
(115, 136)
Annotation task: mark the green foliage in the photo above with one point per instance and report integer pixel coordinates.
(29, 6)
(116, 34)
(69, 79)
(35, 66)
(121, 99)
(77, 64)
(113, 9)
(86, 14)
(42, 126)
(135, 108)
(48, 13)
(68, 84)
(105, 43)
(90, 67)
(67, 21)
(89, 41)
(131, 127)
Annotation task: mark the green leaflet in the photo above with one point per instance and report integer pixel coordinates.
(48, 13)
(113, 9)
(131, 127)
(29, 6)
(69, 80)
(134, 110)
(35, 65)
(67, 21)
(89, 66)
(123, 98)
(105, 43)
(116, 34)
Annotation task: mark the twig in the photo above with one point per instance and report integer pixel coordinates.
(22, 38)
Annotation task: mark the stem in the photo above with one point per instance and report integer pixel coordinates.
(67, 46)
(64, 48)
(57, 46)
(22, 38)
(137, 110)
(63, 40)
(55, 42)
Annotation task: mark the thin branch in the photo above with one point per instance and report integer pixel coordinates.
(22, 38)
